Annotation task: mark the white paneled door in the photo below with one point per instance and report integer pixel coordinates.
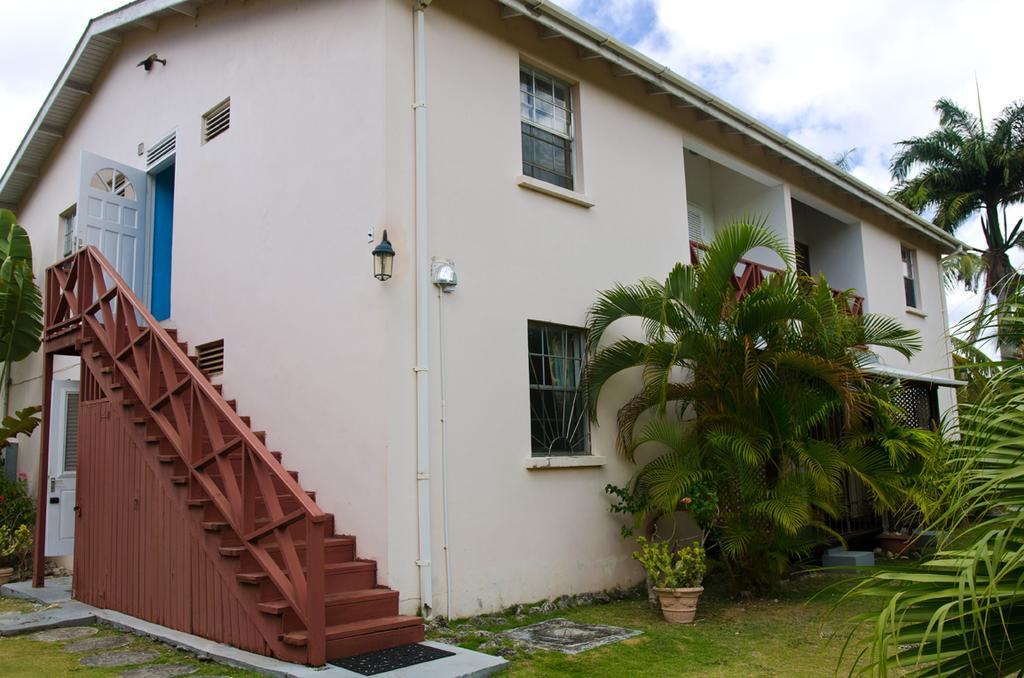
(60, 507)
(112, 216)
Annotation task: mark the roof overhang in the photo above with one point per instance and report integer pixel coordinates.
(102, 37)
(907, 375)
(593, 43)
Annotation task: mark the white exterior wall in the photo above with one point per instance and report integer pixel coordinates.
(270, 252)
(520, 535)
(836, 248)
(270, 248)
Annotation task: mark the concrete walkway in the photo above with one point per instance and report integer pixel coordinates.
(62, 611)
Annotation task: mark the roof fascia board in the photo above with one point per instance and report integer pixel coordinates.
(103, 27)
(661, 77)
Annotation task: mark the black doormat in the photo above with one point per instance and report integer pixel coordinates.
(381, 661)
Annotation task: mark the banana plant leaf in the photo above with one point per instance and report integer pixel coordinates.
(22, 422)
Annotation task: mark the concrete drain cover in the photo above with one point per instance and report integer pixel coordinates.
(119, 658)
(68, 633)
(569, 637)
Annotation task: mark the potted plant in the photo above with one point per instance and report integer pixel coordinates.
(677, 577)
(896, 543)
(14, 544)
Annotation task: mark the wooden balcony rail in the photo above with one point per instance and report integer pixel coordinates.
(84, 292)
(750, 274)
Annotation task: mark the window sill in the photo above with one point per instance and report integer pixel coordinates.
(554, 191)
(581, 461)
(916, 311)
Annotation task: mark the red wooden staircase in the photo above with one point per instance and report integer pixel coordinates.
(262, 537)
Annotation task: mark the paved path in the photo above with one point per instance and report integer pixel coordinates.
(61, 611)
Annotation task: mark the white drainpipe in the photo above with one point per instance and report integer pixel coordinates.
(422, 314)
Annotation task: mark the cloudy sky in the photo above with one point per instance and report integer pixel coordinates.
(833, 76)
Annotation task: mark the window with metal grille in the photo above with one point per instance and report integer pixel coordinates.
(558, 418)
(545, 106)
(920, 403)
(210, 357)
(217, 120)
(909, 258)
(71, 433)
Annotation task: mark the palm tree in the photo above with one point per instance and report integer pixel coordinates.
(961, 169)
(758, 401)
(21, 318)
(961, 612)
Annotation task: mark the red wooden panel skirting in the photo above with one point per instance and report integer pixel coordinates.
(135, 543)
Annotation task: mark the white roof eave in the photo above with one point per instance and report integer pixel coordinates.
(907, 375)
(105, 29)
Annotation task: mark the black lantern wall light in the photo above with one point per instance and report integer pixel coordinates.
(383, 258)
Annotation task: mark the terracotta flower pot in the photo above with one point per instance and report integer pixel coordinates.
(679, 606)
(895, 543)
(5, 574)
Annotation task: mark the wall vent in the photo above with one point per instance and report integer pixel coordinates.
(210, 357)
(217, 120)
(161, 149)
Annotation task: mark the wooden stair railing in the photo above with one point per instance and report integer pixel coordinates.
(751, 274)
(263, 504)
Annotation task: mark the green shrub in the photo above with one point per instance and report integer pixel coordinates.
(14, 545)
(681, 569)
(16, 507)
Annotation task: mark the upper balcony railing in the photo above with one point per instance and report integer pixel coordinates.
(750, 274)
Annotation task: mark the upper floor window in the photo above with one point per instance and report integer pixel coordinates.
(545, 105)
(558, 416)
(909, 258)
(68, 230)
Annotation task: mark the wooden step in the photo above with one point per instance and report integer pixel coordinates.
(341, 608)
(345, 597)
(351, 576)
(345, 640)
(336, 550)
(201, 502)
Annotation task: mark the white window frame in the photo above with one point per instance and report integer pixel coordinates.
(69, 241)
(571, 88)
(908, 256)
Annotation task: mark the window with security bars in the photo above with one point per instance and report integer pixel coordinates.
(920, 403)
(545, 106)
(558, 417)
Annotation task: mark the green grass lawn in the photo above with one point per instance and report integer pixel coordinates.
(787, 635)
(17, 605)
(23, 657)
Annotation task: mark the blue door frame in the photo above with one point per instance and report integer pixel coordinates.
(163, 232)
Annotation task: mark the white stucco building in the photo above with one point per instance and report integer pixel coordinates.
(544, 158)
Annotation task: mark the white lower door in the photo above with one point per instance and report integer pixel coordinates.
(60, 507)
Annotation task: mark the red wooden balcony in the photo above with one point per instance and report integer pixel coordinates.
(750, 274)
